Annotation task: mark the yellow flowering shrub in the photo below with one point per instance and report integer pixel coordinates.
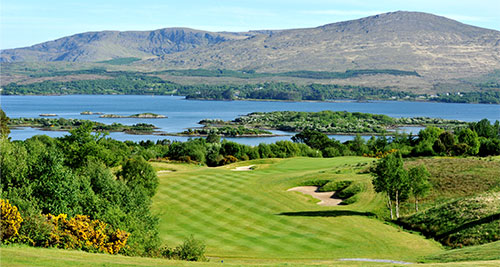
(380, 154)
(10, 220)
(80, 232)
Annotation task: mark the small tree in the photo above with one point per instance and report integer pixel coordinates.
(419, 183)
(213, 137)
(471, 139)
(136, 172)
(4, 121)
(392, 179)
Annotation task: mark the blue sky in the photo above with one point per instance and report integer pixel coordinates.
(27, 22)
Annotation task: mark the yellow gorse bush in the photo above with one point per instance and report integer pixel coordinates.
(380, 154)
(10, 220)
(80, 232)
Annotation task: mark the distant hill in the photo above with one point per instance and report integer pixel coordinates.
(106, 45)
(441, 50)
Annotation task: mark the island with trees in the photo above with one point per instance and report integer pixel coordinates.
(146, 115)
(62, 124)
(331, 122)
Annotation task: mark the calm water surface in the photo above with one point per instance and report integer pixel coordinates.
(184, 114)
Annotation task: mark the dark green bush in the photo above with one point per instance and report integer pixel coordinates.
(36, 228)
(350, 200)
(351, 190)
(191, 250)
(315, 182)
(334, 186)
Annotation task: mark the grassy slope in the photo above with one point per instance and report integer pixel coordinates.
(489, 251)
(237, 214)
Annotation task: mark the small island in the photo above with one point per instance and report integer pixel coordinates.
(226, 131)
(62, 124)
(330, 122)
(48, 115)
(146, 115)
(90, 113)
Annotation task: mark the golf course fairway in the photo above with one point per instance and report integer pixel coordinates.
(249, 215)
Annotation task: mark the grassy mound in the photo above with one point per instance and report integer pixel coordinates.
(463, 222)
(489, 251)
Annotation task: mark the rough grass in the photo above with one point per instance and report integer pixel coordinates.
(457, 177)
(489, 251)
(464, 222)
(250, 215)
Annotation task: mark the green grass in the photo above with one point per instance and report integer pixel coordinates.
(459, 177)
(489, 251)
(250, 215)
(463, 222)
(29, 256)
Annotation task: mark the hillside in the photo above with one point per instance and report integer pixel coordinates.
(442, 51)
(106, 45)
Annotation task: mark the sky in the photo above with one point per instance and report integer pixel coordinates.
(28, 22)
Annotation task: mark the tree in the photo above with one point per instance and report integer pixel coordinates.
(470, 138)
(358, 145)
(138, 173)
(419, 182)
(4, 128)
(426, 139)
(392, 179)
(312, 138)
(213, 137)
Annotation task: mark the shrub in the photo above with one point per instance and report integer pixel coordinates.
(350, 200)
(315, 182)
(228, 159)
(191, 250)
(351, 190)
(82, 233)
(334, 186)
(36, 229)
(10, 221)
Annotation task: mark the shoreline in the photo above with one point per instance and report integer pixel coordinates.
(268, 100)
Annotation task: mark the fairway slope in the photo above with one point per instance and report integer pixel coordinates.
(243, 215)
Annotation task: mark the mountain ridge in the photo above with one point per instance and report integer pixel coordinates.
(438, 48)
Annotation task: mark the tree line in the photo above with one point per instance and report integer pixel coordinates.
(135, 83)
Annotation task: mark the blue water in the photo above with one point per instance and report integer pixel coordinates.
(184, 114)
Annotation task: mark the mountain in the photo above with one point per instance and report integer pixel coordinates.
(436, 47)
(105, 45)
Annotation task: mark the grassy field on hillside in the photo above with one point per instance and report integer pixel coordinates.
(250, 215)
(489, 251)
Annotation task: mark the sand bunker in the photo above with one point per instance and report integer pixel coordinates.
(243, 168)
(164, 171)
(326, 198)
